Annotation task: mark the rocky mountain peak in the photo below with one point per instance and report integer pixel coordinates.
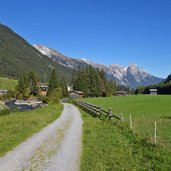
(60, 58)
(131, 76)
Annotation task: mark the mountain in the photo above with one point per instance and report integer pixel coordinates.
(131, 76)
(60, 58)
(18, 56)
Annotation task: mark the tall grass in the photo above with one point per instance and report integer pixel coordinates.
(111, 145)
(17, 127)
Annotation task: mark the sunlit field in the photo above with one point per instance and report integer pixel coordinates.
(112, 145)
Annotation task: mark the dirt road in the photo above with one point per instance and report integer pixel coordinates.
(55, 148)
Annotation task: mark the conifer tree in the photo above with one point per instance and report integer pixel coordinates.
(110, 88)
(22, 89)
(168, 79)
(90, 82)
(53, 82)
(33, 82)
(64, 87)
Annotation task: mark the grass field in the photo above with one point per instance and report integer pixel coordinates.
(8, 84)
(109, 145)
(17, 127)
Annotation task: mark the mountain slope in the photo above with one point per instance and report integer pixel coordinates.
(18, 56)
(131, 76)
(60, 58)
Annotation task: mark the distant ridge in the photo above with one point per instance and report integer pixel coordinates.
(132, 75)
(18, 56)
(60, 58)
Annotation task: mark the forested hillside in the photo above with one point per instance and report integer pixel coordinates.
(93, 82)
(163, 87)
(18, 56)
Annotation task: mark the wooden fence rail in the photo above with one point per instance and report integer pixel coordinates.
(96, 110)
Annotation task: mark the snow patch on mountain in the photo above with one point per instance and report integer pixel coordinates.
(43, 49)
(131, 75)
(60, 58)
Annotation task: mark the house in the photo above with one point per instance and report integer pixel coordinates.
(70, 88)
(76, 94)
(153, 91)
(43, 90)
(121, 93)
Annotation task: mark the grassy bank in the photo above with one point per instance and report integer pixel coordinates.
(8, 84)
(17, 127)
(113, 146)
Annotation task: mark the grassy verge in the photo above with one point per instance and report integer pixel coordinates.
(17, 127)
(109, 146)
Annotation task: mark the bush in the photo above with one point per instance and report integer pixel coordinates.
(56, 95)
(44, 99)
(10, 94)
(5, 111)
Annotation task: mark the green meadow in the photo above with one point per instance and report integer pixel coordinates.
(112, 145)
(17, 127)
(8, 84)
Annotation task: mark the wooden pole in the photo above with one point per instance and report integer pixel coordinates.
(130, 119)
(155, 132)
(3, 85)
(122, 118)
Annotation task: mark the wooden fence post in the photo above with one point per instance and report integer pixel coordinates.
(155, 132)
(110, 113)
(130, 120)
(122, 118)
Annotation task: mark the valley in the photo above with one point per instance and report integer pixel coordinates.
(139, 140)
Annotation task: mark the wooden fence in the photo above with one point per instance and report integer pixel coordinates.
(96, 110)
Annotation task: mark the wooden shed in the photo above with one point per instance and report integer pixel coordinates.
(43, 90)
(153, 91)
(121, 93)
(76, 94)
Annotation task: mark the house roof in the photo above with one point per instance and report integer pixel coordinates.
(79, 92)
(153, 89)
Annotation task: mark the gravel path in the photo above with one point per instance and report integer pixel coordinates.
(55, 148)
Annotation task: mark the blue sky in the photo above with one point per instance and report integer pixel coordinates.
(104, 31)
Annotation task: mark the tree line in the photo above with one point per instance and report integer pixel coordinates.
(163, 87)
(93, 82)
(28, 85)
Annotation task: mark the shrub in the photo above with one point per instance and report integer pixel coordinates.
(56, 95)
(5, 111)
(44, 99)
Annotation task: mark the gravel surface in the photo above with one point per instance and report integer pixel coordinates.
(55, 148)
